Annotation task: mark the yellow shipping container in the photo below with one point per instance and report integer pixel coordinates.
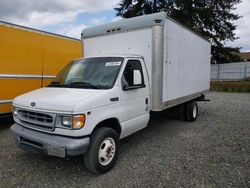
(29, 59)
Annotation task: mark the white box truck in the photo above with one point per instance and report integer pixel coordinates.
(131, 67)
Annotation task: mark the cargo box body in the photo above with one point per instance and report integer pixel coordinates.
(30, 59)
(177, 59)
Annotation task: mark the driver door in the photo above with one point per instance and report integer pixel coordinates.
(134, 99)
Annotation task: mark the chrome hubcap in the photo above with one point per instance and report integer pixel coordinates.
(194, 111)
(106, 151)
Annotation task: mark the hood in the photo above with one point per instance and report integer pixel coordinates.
(57, 99)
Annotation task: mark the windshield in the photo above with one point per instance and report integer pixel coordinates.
(89, 73)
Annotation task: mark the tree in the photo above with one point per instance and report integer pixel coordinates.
(213, 19)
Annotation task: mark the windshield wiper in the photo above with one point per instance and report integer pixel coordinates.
(84, 84)
(76, 85)
(55, 84)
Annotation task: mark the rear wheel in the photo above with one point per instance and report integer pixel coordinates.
(103, 150)
(181, 112)
(191, 111)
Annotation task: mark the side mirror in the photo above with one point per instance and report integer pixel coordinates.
(137, 77)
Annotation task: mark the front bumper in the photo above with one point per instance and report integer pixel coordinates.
(35, 141)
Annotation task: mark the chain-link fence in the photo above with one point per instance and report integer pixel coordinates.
(230, 71)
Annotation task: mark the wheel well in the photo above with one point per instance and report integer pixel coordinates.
(111, 123)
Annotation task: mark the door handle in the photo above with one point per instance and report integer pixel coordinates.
(114, 99)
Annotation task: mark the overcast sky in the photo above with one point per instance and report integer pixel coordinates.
(69, 17)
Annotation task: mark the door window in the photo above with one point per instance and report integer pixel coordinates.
(128, 74)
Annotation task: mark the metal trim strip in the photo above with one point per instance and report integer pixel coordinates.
(25, 76)
(157, 67)
(5, 101)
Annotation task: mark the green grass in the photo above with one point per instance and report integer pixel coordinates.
(230, 86)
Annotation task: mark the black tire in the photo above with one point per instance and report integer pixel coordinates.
(191, 111)
(181, 112)
(91, 158)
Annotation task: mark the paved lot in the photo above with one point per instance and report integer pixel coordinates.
(214, 151)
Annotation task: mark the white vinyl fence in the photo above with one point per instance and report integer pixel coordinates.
(230, 71)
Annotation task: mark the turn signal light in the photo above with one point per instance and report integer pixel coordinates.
(78, 121)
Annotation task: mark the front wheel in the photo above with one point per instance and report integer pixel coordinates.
(103, 150)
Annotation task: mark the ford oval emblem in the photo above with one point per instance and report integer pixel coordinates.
(33, 104)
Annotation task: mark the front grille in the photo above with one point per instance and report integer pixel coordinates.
(36, 119)
(44, 118)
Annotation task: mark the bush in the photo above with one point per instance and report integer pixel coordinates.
(247, 79)
(230, 86)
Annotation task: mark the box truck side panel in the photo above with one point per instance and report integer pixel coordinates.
(133, 42)
(13, 49)
(52, 55)
(34, 53)
(29, 60)
(70, 51)
(186, 62)
(14, 87)
(57, 53)
(19, 56)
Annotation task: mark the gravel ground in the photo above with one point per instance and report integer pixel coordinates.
(214, 151)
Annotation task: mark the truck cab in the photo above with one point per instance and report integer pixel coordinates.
(110, 94)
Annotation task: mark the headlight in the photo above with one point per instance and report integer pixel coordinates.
(14, 111)
(66, 121)
(74, 122)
